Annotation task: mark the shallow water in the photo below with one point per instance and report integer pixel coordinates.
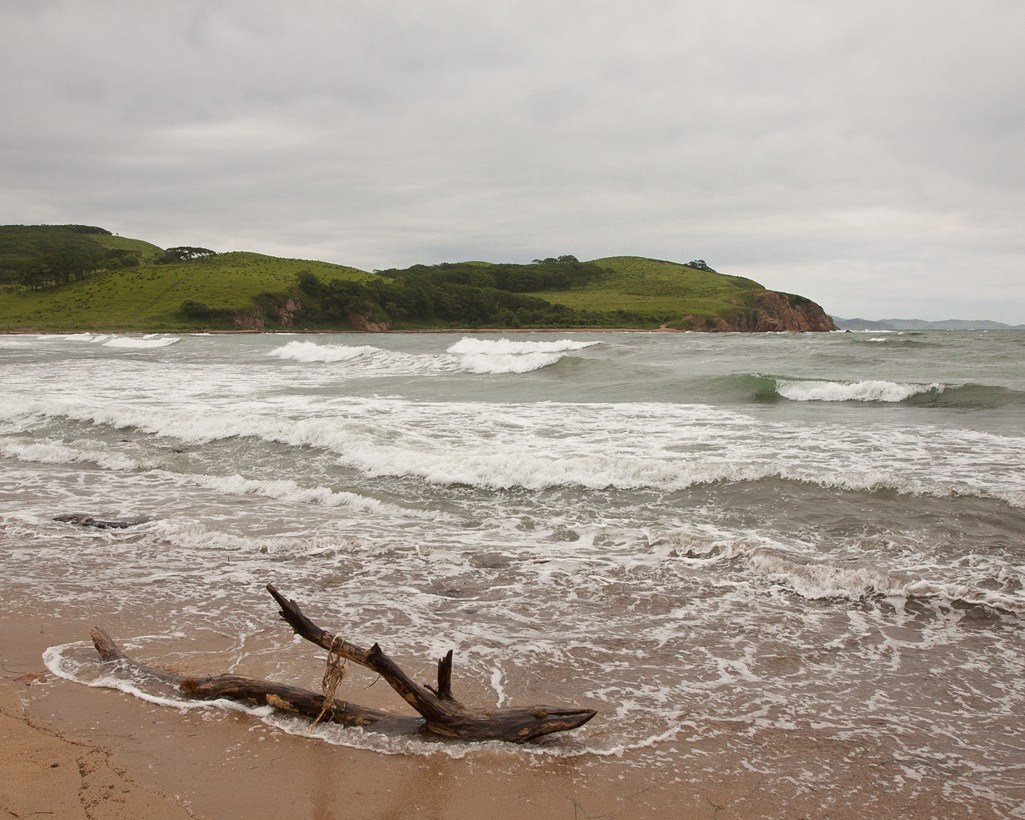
(689, 533)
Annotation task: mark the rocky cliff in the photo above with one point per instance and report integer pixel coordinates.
(766, 311)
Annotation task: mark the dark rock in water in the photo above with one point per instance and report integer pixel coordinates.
(89, 521)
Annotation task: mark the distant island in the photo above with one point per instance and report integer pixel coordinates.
(66, 278)
(921, 324)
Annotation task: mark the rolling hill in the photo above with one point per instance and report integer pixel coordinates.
(81, 278)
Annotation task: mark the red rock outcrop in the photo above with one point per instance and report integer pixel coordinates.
(364, 324)
(768, 311)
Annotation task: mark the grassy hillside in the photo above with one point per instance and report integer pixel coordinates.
(664, 291)
(127, 284)
(149, 297)
(147, 253)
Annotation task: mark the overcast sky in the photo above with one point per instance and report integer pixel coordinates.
(868, 155)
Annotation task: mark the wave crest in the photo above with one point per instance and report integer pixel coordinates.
(136, 343)
(868, 390)
(508, 347)
(497, 356)
(476, 356)
(934, 394)
(313, 352)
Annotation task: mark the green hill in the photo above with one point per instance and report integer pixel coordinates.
(664, 291)
(77, 278)
(34, 253)
(149, 297)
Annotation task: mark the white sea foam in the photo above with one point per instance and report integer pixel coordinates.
(49, 452)
(964, 593)
(498, 356)
(144, 343)
(508, 347)
(496, 364)
(479, 356)
(547, 445)
(868, 390)
(58, 662)
(88, 338)
(363, 361)
(816, 578)
(292, 491)
(313, 352)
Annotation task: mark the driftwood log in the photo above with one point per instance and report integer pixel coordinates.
(440, 713)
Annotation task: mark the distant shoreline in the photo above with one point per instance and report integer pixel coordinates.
(353, 332)
(503, 330)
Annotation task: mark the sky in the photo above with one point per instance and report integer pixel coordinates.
(866, 155)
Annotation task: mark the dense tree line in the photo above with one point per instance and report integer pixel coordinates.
(42, 256)
(45, 256)
(71, 264)
(455, 295)
(549, 274)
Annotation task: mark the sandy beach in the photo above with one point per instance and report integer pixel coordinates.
(74, 751)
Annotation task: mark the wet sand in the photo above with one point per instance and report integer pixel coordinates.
(117, 756)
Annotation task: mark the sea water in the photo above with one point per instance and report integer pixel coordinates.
(695, 534)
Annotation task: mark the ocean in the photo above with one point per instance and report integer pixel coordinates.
(703, 537)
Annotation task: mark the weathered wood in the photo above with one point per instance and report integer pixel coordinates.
(444, 715)
(297, 701)
(281, 696)
(441, 713)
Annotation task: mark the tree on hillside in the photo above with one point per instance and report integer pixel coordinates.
(184, 253)
(701, 264)
(551, 260)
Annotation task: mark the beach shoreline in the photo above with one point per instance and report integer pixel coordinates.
(117, 756)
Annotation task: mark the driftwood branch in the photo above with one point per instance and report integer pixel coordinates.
(441, 714)
(281, 696)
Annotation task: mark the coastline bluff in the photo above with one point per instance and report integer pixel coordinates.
(771, 312)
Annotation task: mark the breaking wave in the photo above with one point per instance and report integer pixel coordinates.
(763, 388)
(496, 356)
(867, 390)
(477, 356)
(371, 438)
(144, 343)
(291, 491)
(49, 452)
(147, 342)
(313, 352)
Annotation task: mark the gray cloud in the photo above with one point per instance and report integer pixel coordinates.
(865, 155)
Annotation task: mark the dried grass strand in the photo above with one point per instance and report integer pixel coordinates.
(334, 673)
